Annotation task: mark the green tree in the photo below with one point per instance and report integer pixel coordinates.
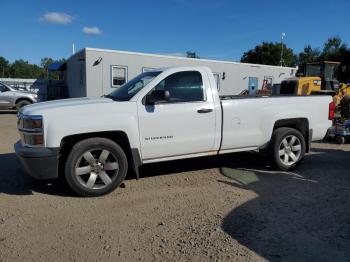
(309, 55)
(336, 50)
(46, 62)
(4, 67)
(269, 53)
(333, 49)
(22, 69)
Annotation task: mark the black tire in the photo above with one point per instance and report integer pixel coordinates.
(77, 160)
(276, 146)
(21, 104)
(340, 140)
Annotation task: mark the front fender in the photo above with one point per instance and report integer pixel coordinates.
(57, 129)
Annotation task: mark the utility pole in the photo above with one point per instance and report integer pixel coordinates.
(282, 61)
(73, 49)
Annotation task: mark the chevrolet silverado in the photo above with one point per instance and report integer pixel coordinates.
(160, 115)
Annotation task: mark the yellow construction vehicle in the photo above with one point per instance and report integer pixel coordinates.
(320, 78)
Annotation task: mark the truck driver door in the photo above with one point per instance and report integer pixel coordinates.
(183, 124)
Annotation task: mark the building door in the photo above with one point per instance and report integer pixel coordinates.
(252, 85)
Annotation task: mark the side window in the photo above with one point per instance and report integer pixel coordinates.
(119, 75)
(183, 87)
(3, 88)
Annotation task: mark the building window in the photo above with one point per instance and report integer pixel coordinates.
(119, 75)
(146, 69)
(268, 81)
(217, 80)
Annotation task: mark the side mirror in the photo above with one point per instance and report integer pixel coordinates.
(157, 96)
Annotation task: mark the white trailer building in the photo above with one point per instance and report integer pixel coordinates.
(95, 72)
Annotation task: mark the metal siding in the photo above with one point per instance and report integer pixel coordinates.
(98, 77)
(74, 63)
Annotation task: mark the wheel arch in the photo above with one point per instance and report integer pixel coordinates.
(300, 124)
(23, 99)
(118, 137)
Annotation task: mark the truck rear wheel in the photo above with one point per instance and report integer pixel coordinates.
(287, 148)
(95, 166)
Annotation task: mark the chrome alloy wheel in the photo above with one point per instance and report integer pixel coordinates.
(290, 150)
(96, 169)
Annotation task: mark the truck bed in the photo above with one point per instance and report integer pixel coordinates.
(248, 121)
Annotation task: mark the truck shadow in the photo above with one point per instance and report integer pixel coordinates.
(297, 216)
(8, 112)
(14, 180)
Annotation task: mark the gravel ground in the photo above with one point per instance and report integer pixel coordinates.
(230, 208)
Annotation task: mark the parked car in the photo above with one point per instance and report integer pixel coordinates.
(162, 115)
(15, 98)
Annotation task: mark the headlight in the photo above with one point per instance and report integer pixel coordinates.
(32, 139)
(34, 96)
(31, 130)
(33, 122)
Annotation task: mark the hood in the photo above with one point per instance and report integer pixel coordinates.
(66, 117)
(24, 92)
(72, 104)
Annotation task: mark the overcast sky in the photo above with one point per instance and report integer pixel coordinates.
(220, 29)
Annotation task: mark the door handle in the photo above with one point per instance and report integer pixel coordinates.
(204, 110)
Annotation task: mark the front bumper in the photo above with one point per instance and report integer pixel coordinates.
(39, 163)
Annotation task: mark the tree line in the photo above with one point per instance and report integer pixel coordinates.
(334, 49)
(23, 69)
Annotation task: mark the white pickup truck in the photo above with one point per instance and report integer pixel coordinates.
(161, 115)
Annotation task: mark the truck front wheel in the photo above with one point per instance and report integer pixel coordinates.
(287, 148)
(95, 167)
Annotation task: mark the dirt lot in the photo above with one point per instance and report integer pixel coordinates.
(230, 208)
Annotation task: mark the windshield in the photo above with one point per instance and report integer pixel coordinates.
(313, 70)
(17, 88)
(131, 88)
(4, 88)
(330, 72)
